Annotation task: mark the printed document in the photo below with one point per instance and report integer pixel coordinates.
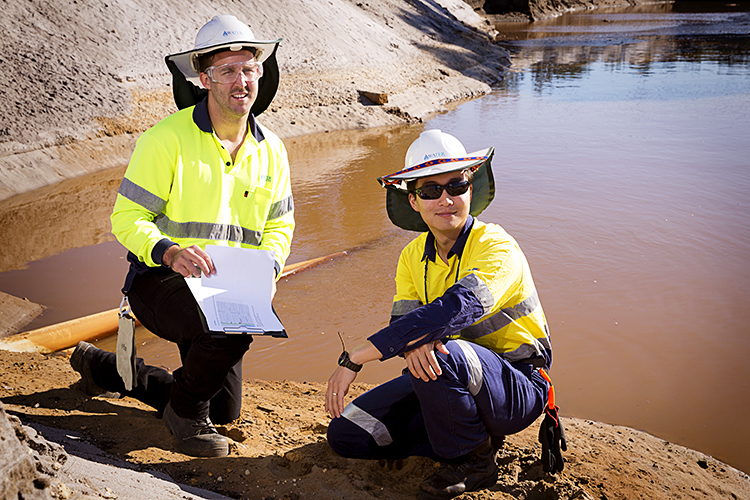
(237, 299)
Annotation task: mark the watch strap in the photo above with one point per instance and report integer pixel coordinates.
(348, 363)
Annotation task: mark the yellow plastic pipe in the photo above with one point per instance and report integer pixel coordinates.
(100, 325)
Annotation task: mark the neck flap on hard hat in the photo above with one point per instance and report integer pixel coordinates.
(187, 94)
(404, 216)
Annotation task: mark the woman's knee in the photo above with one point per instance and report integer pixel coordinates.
(347, 439)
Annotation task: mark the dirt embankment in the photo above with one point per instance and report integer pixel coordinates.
(520, 10)
(88, 77)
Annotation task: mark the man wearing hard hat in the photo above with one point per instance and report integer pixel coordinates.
(208, 174)
(467, 318)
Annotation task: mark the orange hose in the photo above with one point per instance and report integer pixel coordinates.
(100, 325)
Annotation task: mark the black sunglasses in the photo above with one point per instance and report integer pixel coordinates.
(435, 191)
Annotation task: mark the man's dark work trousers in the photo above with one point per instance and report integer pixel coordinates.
(210, 379)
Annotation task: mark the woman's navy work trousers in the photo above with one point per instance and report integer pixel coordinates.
(478, 395)
(210, 379)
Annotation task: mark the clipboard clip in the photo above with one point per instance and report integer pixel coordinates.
(243, 329)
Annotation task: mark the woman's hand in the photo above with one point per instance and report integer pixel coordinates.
(338, 387)
(423, 363)
(342, 378)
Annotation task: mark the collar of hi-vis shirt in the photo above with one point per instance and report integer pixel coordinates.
(203, 120)
(430, 250)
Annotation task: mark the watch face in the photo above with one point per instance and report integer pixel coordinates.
(342, 359)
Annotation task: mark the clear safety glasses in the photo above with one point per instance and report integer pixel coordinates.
(228, 73)
(435, 191)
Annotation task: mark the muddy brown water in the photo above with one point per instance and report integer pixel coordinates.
(623, 170)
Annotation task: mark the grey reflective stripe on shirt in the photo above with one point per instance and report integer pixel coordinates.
(137, 194)
(207, 231)
(480, 290)
(476, 376)
(526, 351)
(401, 307)
(368, 423)
(281, 207)
(502, 318)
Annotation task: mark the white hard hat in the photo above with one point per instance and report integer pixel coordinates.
(221, 32)
(434, 152)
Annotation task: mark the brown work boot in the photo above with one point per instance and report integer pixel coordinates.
(471, 472)
(80, 360)
(195, 437)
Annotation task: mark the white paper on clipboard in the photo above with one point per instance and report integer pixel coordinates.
(237, 299)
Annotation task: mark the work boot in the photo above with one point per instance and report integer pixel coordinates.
(497, 442)
(195, 437)
(81, 360)
(471, 472)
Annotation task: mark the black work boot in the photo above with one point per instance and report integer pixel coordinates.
(195, 437)
(80, 360)
(471, 472)
(497, 442)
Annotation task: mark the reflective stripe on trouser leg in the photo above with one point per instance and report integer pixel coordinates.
(385, 422)
(476, 377)
(368, 423)
(478, 394)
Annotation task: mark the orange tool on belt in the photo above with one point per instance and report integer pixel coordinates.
(551, 433)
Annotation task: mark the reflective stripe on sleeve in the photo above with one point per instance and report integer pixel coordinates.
(476, 376)
(502, 318)
(368, 423)
(402, 307)
(281, 208)
(137, 194)
(207, 231)
(480, 290)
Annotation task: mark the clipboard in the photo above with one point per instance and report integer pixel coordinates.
(237, 299)
(241, 329)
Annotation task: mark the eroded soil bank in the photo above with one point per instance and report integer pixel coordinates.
(87, 79)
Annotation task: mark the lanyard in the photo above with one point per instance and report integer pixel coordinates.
(426, 263)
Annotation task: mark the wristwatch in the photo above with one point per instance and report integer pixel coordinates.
(348, 363)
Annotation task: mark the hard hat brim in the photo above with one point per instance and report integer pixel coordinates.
(404, 216)
(184, 60)
(435, 167)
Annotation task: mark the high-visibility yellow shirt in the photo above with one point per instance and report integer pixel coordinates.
(182, 186)
(484, 294)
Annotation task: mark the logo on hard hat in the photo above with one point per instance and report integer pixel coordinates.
(227, 33)
(434, 155)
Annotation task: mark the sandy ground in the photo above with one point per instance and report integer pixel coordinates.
(278, 450)
(88, 77)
